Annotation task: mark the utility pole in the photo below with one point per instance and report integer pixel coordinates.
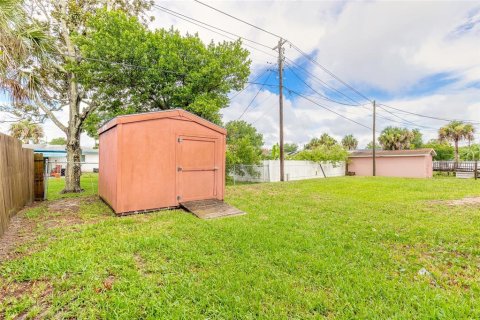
(373, 141)
(281, 42)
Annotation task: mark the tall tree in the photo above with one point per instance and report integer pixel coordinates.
(290, 148)
(55, 80)
(370, 146)
(417, 140)
(324, 140)
(443, 149)
(395, 138)
(456, 131)
(75, 76)
(26, 131)
(349, 142)
(24, 44)
(167, 70)
(323, 153)
(244, 146)
(60, 141)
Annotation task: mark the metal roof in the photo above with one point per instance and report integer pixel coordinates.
(50, 150)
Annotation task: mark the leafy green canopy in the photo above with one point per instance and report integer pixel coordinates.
(349, 142)
(456, 131)
(417, 140)
(59, 141)
(134, 69)
(244, 146)
(443, 149)
(395, 138)
(323, 153)
(325, 139)
(470, 153)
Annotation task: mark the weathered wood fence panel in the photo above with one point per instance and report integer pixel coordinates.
(16, 178)
(38, 187)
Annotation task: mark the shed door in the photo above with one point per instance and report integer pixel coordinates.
(197, 168)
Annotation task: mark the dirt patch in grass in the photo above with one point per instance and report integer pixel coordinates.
(441, 267)
(50, 214)
(40, 291)
(467, 201)
(65, 205)
(20, 230)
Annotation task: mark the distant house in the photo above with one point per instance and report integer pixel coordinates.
(393, 163)
(57, 156)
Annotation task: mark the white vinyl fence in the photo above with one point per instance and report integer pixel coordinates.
(269, 171)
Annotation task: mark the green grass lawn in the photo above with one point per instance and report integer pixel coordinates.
(89, 182)
(350, 247)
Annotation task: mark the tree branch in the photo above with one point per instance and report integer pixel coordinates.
(86, 112)
(51, 116)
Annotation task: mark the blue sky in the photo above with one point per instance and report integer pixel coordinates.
(420, 56)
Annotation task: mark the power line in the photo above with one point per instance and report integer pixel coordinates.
(323, 83)
(204, 25)
(258, 92)
(123, 64)
(292, 44)
(328, 109)
(321, 66)
(404, 121)
(238, 19)
(429, 117)
(266, 111)
(248, 84)
(329, 72)
(208, 27)
(321, 95)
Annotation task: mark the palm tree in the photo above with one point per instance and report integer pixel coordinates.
(349, 142)
(26, 131)
(456, 131)
(23, 43)
(324, 140)
(394, 138)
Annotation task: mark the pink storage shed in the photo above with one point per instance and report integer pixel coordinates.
(160, 159)
(393, 163)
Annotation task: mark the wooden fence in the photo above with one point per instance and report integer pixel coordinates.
(16, 178)
(452, 166)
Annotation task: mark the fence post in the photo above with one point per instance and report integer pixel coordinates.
(45, 175)
(475, 170)
(39, 190)
(320, 163)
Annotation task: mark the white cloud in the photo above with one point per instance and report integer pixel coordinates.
(379, 45)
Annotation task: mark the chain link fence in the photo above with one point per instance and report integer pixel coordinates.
(54, 177)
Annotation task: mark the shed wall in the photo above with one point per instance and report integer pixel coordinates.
(108, 157)
(147, 167)
(402, 166)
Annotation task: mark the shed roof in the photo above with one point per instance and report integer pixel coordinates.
(392, 153)
(174, 113)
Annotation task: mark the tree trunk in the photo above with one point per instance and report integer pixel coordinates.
(73, 172)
